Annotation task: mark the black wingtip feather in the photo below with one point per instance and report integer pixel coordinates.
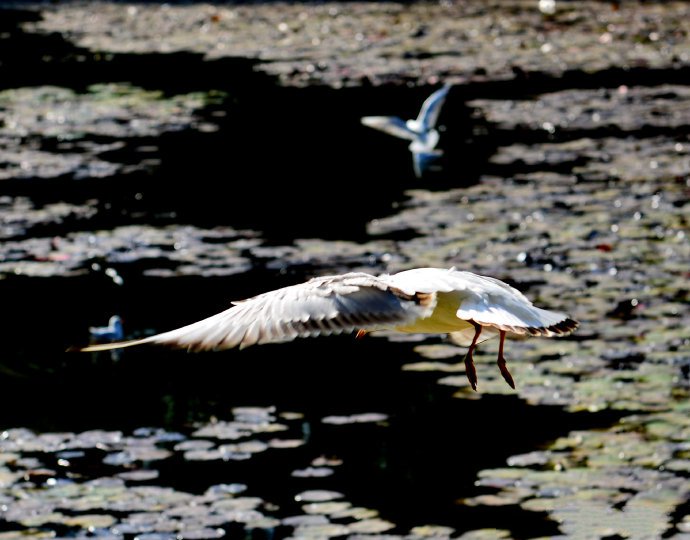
(564, 327)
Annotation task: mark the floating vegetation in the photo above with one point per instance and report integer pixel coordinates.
(333, 256)
(627, 109)
(312, 472)
(85, 127)
(20, 214)
(320, 467)
(362, 418)
(36, 500)
(371, 526)
(618, 476)
(163, 252)
(328, 507)
(394, 42)
(319, 495)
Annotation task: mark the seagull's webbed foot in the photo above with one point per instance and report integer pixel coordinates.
(469, 361)
(501, 361)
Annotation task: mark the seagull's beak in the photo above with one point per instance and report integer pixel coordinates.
(360, 334)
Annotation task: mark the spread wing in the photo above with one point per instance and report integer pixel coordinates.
(431, 108)
(390, 124)
(321, 306)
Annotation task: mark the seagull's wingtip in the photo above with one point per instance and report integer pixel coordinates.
(563, 328)
(375, 121)
(94, 348)
(97, 347)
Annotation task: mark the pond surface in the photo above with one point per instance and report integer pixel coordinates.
(163, 198)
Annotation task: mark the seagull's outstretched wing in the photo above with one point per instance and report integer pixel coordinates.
(321, 306)
(390, 124)
(431, 108)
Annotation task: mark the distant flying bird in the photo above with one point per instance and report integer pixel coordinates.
(422, 131)
(112, 332)
(422, 300)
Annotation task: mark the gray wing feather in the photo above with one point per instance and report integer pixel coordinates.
(321, 306)
(431, 108)
(392, 125)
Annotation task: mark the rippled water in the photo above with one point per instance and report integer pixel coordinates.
(163, 202)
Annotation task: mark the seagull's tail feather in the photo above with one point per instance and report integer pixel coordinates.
(562, 328)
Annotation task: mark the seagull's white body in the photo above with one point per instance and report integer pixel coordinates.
(422, 300)
(421, 131)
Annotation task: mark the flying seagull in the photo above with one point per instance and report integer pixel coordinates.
(421, 131)
(469, 307)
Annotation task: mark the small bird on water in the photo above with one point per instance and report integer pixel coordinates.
(469, 307)
(112, 332)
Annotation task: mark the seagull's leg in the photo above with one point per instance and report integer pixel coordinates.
(502, 362)
(469, 361)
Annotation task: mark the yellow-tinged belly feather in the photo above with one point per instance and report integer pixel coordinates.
(442, 320)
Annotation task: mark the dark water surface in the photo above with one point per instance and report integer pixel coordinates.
(160, 187)
(411, 467)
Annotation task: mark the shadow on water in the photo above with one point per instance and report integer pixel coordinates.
(413, 468)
